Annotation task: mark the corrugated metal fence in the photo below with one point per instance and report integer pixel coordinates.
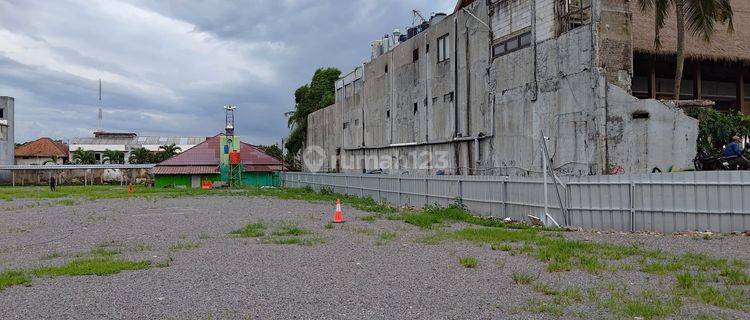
(718, 201)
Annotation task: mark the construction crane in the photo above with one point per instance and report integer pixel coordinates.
(416, 15)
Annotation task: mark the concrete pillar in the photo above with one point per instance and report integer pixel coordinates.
(697, 81)
(7, 137)
(741, 92)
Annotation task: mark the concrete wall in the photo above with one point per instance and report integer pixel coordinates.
(37, 161)
(7, 136)
(572, 88)
(79, 176)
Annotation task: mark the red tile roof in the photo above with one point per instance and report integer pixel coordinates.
(207, 154)
(43, 147)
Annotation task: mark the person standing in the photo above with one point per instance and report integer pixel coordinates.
(733, 153)
(52, 183)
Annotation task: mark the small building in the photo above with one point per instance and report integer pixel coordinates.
(127, 141)
(41, 152)
(201, 163)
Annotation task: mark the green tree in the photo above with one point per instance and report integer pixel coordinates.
(167, 151)
(715, 128)
(81, 156)
(701, 17)
(272, 150)
(318, 94)
(140, 156)
(113, 157)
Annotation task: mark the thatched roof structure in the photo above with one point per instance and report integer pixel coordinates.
(723, 46)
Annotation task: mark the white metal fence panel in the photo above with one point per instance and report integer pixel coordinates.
(665, 202)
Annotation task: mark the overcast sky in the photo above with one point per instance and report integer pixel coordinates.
(168, 67)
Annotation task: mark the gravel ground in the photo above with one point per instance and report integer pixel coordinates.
(348, 276)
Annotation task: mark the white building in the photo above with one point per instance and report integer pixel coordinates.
(118, 141)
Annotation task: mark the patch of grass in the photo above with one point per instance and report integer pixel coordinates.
(733, 298)
(646, 305)
(735, 276)
(435, 215)
(10, 278)
(251, 230)
(363, 230)
(468, 262)
(290, 230)
(204, 236)
(385, 237)
(522, 278)
(67, 202)
(101, 266)
(328, 225)
(104, 251)
(545, 289)
(569, 295)
(164, 263)
(369, 218)
(294, 240)
(501, 246)
(539, 306)
(184, 246)
(685, 280)
(52, 255)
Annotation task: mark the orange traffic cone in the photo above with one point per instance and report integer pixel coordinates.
(338, 216)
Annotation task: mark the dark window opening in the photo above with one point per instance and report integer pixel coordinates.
(415, 55)
(386, 68)
(346, 124)
(513, 44)
(425, 101)
(573, 14)
(415, 108)
(338, 151)
(427, 49)
(387, 113)
(2, 113)
(434, 100)
(641, 115)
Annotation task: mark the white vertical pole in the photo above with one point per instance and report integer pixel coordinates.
(544, 168)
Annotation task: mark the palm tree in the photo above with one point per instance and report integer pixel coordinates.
(81, 156)
(140, 156)
(53, 160)
(113, 156)
(167, 151)
(701, 17)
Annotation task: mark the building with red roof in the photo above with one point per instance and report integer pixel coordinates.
(42, 151)
(202, 163)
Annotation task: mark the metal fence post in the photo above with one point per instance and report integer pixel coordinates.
(361, 188)
(380, 197)
(426, 191)
(631, 196)
(399, 191)
(461, 189)
(505, 197)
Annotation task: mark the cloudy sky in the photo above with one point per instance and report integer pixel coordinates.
(168, 67)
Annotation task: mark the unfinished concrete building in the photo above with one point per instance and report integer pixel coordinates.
(474, 93)
(7, 136)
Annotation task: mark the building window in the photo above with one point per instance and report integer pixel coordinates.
(434, 100)
(416, 107)
(346, 124)
(427, 48)
(415, 55)
(573, 14)
(386, 68)
(513, 44)
(2, 113)
(444, 46)
(356, 122)
(388, 114)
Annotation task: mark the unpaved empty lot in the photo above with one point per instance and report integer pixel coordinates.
(300, 266)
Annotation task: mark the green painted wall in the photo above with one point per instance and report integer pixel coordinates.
(249, 179)
(171, 180)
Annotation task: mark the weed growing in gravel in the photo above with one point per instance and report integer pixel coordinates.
(67, 202)
(13, 278)
(184, 246)
(328, 225)
(294, 240)
(96, 266)
(52, 255)
(164, 263)
(501, 247)
(468, 262)
(545, 288)
(252, 230)
(290, 230)
(647, 305)
(522, 278)
(204, 236)
(385, 237)
(370, 218)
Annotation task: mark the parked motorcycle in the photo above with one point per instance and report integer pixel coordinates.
(705, 161)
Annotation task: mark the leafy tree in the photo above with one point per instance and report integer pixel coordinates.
(81, 156)
(715, 128)
(167, 151)
(140, 156)
(52, 159)
(701, 17)
(318, 94)
(272, 150)
(113, 157)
